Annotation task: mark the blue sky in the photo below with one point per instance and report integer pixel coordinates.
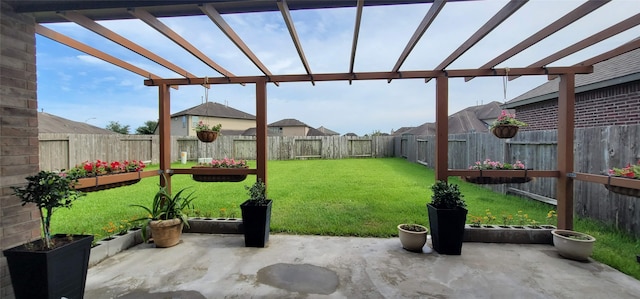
(79, 87)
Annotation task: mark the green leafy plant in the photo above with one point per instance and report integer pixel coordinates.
(201, 126)
(413, 227)
(226, 163)
(630, 171)
(98, 168)
(446, 196)
(48, 191)
(476, 221)
(257, 193)
(552, 217)
(165, 206)
(507, 118)
(507, 219)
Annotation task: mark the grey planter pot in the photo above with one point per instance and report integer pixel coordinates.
(509, 234)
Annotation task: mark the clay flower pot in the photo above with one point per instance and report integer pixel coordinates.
(412, 236)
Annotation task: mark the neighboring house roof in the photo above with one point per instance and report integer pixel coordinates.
(48, 123)
(617, 70)
(288, 122)
(213, 109)
(470, 119)
(351, 134)
(316, 132)
(327, 131)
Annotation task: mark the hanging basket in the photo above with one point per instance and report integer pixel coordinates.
(505, 131)
(207, 136)
(623, 190)
(496, 180)
(217, 177)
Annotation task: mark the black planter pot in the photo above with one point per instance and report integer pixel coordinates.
(447, 229)
(57, 273)
(256, 220)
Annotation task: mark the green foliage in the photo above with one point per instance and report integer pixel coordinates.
(257, 192)
(148, 128)
(446, 196)
(117, 127)
(48, 191)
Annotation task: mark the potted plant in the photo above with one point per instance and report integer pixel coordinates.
(256, 215)
(412, 236)
(506, 126)
(54, 266)
(447, 216)
(630, 172)
(225, 163)
(166, 217)
(487, 164)
(207, 133)
(102, 175)
(573, 245)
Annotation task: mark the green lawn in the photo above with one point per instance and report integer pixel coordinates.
(348, 197)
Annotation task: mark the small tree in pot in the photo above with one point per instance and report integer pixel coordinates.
(447, 216)
(256, 215)
(55, 266)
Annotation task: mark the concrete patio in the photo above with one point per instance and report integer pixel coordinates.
(219, 266)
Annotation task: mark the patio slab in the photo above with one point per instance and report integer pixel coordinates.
(219, 266)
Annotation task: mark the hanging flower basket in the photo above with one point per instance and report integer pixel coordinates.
(105, 182)
(223, 165)
(219, 177)
(207, 136)
(623, 190)
(505, 131)
(496, 180)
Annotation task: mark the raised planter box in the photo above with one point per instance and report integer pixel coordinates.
(104, 182)
(509, 234)
(214, 226)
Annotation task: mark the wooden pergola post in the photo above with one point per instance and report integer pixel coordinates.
(442, 128)
(261, 128)
(164, 125)
(566, 121)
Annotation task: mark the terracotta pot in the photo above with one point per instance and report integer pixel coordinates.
(166, 233)
(570, 247)
(412, 241)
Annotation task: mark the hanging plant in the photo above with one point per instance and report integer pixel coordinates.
(506, 126)
(207, 133)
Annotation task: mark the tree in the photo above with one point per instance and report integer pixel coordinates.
(148, 128)
(117, 127)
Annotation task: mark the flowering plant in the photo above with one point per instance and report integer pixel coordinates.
(507, 118)
(98, 168)
(488, 164)
(227, 163)
(631, 171)
(201, 126)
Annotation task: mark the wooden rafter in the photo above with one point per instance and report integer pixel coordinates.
(114, 37)
(356, 33)
(628, 47)
(286, 15)
(494, 22)
(152, 21)
(379, 75)
(591, 40)
(69, 42)
(545, 32)
(216, 18)
(431, 15)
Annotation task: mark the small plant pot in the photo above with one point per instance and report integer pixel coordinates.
(573, 245)
(166, 233)
(412, 240)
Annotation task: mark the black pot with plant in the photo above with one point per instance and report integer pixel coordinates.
(54, 266)
(447, 216)
(256, 215)
(166, 217)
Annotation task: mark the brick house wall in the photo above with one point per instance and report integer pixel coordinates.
(613, 105)
(18, 133)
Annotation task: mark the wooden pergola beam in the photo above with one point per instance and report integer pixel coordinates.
(209, 10)
(591, 40)
(116, 38)
(431, 15)
(442, 129)
(491, 24)
(545, 32)
(156, 24)
(566, 125)
(356, 33)
(286, 15)
(378, 75)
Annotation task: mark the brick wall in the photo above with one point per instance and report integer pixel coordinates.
(18, 133)
(614, 105)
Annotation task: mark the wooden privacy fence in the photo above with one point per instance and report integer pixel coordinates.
(596, 150)
(62, 151)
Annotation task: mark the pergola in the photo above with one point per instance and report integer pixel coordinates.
(86, 13)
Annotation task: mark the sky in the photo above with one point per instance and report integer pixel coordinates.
(76, 86)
